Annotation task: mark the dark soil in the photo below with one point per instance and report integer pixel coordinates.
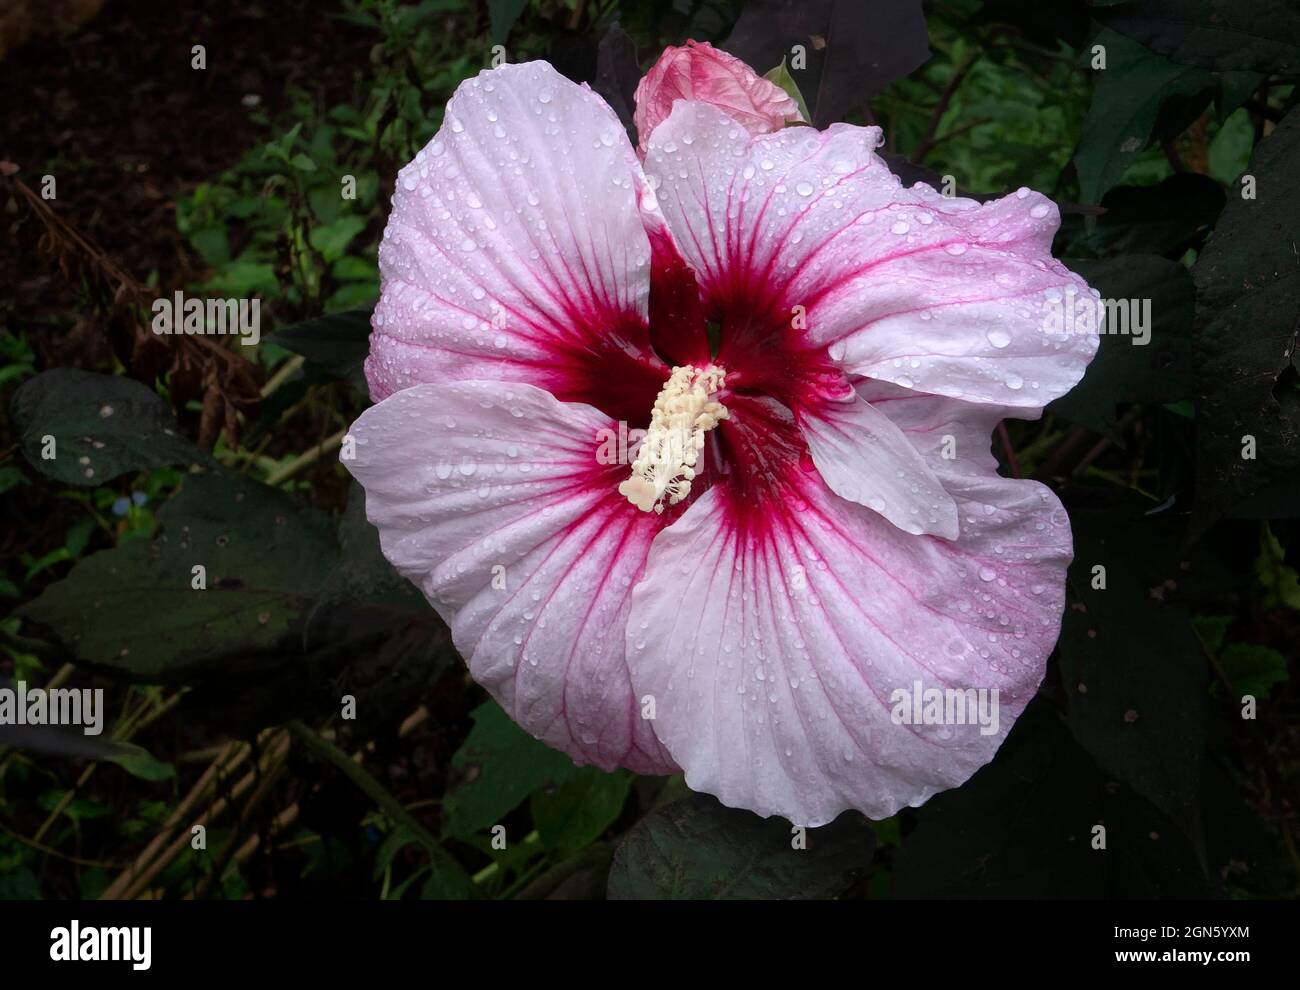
(118, 116)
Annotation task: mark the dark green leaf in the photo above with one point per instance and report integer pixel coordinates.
(1252, 669)
(1235, 89)
(698, 848)
(617, 73)
(1127, 100)
(140, 763)
(1124, 369)
(66, 741)
(1165, 219)
(19, 885)
(1211, 629)
(502, 15)
(1247, 318)
(102, 426)
(853, 50)
(1023, 827)
(1133, 670)
(499, 765)
(367, 614)
(1043, 23)
(1258, 35)
(134, 608)
(1240, 849)
(338, 343)
(577, 812)
(446, 884)
(397, 839)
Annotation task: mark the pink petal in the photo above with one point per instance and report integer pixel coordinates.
(943, 295)
(953, 436)
(677, 323)
(698, 71)
(516, 249)
(773, 642)
(865, 458)
(488, 496)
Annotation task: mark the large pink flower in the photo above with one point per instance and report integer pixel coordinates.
(814, 520)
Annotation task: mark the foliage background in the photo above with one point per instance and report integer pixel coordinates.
(224, 707)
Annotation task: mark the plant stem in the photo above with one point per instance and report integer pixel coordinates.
(306, 459)
(389, 805)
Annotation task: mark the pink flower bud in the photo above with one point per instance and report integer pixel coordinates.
(698, 71)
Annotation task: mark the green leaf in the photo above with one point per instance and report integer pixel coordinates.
(286, 140)
(302, 163)
(1252, 669)
(1024, 827)
(852, 50)
(1125, 370)
(19, 884)
(392, 642)
(1165, 219)
(337, 343)
(698, 848)
(332, 239)
(577, 812)
(1133, 670)
(134, 609)
(80, 809)
(1239, 846)
(102, 426)
(1211, 629)
(397, 839)
(1279, 579)
(1235, 89)
(498, 766)
(445, 884)
(350, 268)
(502, 15)
(244, 277)
(212, 243)
(1247, 300)
(63, 741)
(1126, 105)
(10, 478)
(1259, 35)
(780, 75)
(1231, 148)
(144, 766)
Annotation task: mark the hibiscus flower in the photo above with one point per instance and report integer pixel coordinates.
(812, 520)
